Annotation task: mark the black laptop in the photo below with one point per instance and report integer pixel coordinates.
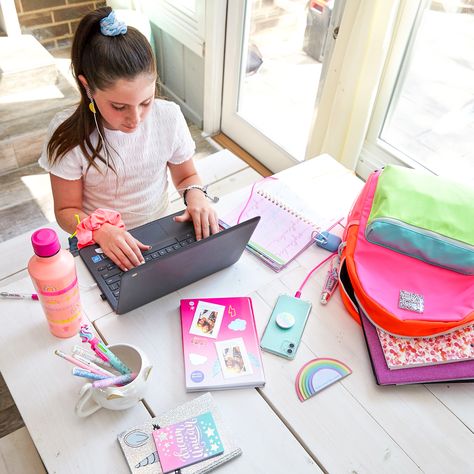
(175, 260)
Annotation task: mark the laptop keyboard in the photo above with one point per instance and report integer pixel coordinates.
(112, 274)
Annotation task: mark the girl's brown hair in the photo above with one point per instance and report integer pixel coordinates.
(102, 60)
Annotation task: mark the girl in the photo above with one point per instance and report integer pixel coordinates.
(113, 150)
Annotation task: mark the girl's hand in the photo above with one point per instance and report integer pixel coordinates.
(200, 211)
(120, 246)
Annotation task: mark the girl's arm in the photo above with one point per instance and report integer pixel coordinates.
(198, 209)
(67, 197)
(117, 244)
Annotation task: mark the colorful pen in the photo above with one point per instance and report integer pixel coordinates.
(102, 350)
(332, 280)
(18, 296)
(90, 356)
(91, 365)
(120, 380)
(88, 375)
(78, 363)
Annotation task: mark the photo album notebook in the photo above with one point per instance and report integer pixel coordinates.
(287, 226)
(220, 344)
(453, 372)
(191, 437)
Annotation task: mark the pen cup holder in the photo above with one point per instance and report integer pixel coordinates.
(92, 399)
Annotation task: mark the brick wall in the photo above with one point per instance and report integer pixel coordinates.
(53, 22)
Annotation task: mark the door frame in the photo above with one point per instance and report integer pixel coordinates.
(213, 51)
(256, 143)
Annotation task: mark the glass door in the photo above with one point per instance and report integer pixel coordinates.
(424, 116)
(275, 57)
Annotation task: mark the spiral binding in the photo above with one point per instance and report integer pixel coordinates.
(286, 208)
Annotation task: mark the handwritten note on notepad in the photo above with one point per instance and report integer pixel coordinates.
(287, 224)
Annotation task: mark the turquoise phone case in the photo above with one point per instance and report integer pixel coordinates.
(284, 341)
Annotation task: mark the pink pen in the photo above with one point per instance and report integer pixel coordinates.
(76, 350)
(79, 363)
(18, 296)
(332, 280)
(91, 365)
(119, 380)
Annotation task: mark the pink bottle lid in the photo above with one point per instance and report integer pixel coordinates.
(45, 242)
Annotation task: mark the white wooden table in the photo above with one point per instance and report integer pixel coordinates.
(352, 426)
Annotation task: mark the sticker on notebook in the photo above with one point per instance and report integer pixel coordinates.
(207, 319)
(238, 325)
(198, 341)
(187, 442)
(318, 374)
(233, 358)
(197, 359)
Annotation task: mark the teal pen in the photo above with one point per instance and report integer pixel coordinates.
(101, 350)
(115, 362)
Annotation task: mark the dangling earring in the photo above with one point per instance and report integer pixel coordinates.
(91, 105)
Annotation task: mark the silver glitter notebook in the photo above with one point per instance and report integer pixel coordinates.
(139, 448)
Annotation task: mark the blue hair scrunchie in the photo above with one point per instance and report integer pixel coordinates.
(111, 26)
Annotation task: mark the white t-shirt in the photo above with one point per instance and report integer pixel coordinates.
(139, 188)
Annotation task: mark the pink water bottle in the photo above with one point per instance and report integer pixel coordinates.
(54, 276)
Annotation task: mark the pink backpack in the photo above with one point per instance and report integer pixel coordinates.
(399, 293)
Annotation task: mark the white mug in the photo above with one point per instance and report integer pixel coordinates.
(117, 398)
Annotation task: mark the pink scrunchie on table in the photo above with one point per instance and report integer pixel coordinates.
(93, 222)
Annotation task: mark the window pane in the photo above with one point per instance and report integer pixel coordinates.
(282, 63)
(431, 117)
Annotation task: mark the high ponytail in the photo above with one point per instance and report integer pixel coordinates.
(102, 60)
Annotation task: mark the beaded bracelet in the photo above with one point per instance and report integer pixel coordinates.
(193, 186)
(201, 188)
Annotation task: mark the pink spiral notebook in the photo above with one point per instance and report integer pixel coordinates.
(220, 344)
(287, 225)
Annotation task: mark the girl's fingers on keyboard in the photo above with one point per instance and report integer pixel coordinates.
(132, 250)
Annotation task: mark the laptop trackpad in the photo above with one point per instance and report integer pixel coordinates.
(160, 230)
(176, 229)
(150, 233)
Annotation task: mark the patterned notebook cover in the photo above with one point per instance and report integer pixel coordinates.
(455, 372)
(414, 352)
(220, 344)
(139, 448)
(187, 442)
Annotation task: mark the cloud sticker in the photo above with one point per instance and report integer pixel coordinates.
(197, 359)
(238, 325)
